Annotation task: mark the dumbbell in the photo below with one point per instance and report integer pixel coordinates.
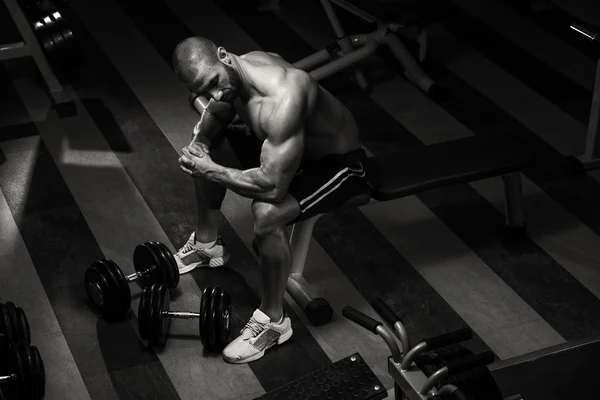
(25, 377)
(108, 287)
(214, 314)
(14, 328)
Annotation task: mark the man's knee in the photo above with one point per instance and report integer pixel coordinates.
(267, 217)
(270, 217)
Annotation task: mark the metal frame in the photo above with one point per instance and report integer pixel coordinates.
(590, 159)
(355, 48)
(30, 47)
(301, 235)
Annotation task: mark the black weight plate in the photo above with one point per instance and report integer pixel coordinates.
(145, 262)
(10, 312)
(18, 334)
(173, 272)
(145, 327)
(24, 329)
(119, 294)
(45, 33)
(5, 326)
(156, 315)
(204, 310)
(162, 322)
(39, 372)
(22, 365)
(151, 314)
(115, 293)
(215, 296)
(223, 319)
(164, 265)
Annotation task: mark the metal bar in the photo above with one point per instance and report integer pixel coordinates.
(14, 50)
(133, 277)
(356, 11)
(300, 290)
(515, 211)
(592, 144)
(346, 61)
(300, 241)
(391, 342)
(182, 314)
(312, 60)
(413, 70)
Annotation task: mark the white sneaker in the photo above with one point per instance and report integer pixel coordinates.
(259, 335)
(192, 255)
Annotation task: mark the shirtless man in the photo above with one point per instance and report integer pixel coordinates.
(308, 160)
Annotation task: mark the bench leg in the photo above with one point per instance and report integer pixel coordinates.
(515, 212)
(317, 310)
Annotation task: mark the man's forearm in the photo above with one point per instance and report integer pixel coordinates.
(252, 183)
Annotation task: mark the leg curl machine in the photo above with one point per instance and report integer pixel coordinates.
(411, 383)
(349, 50)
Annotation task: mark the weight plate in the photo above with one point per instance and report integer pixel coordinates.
(222, 322)
(162, 321)
(145, 262)
(215, 296)
(5, 326)
(10, 312)
(164, 264)
(24, 329)
(39, 372)
(145, 327)
(107, 288)
(21, 364)
(204, 310)
(152, 314)
(172, 273)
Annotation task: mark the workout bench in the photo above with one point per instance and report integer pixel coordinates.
(412, 171)
(348, 51)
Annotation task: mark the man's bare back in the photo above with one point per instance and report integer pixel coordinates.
(329, 126)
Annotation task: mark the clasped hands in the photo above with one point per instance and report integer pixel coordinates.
(195, 160)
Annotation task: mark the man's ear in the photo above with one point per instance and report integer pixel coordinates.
(223, 55)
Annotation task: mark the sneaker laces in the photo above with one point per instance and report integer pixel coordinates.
(189, 246)
(254, 326)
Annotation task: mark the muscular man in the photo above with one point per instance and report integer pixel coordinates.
(300, 156)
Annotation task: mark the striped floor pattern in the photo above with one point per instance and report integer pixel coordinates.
(78, 189)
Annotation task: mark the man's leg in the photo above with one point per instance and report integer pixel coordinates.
(268, 325)
(204, 248)
(275, 254)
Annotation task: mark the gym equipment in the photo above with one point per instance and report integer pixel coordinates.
(349, 378)
(30, 47)
(213, 316)
(438, 165)
(56, 38)
(26, 378)
(443, 379)
(14, 326)
(108, 287)
(565, 371)
(590, 159)
(347, 51)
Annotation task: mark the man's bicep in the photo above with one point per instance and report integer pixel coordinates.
(280, 159)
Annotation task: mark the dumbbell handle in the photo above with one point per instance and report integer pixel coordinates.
(182, 314)
(134, 276)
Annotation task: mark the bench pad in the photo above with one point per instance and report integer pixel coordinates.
(420, 168)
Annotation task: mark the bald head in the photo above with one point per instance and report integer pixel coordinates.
(194, 57)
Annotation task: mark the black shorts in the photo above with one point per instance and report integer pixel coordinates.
(320, 185)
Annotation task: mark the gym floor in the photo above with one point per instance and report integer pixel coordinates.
(77, 189)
